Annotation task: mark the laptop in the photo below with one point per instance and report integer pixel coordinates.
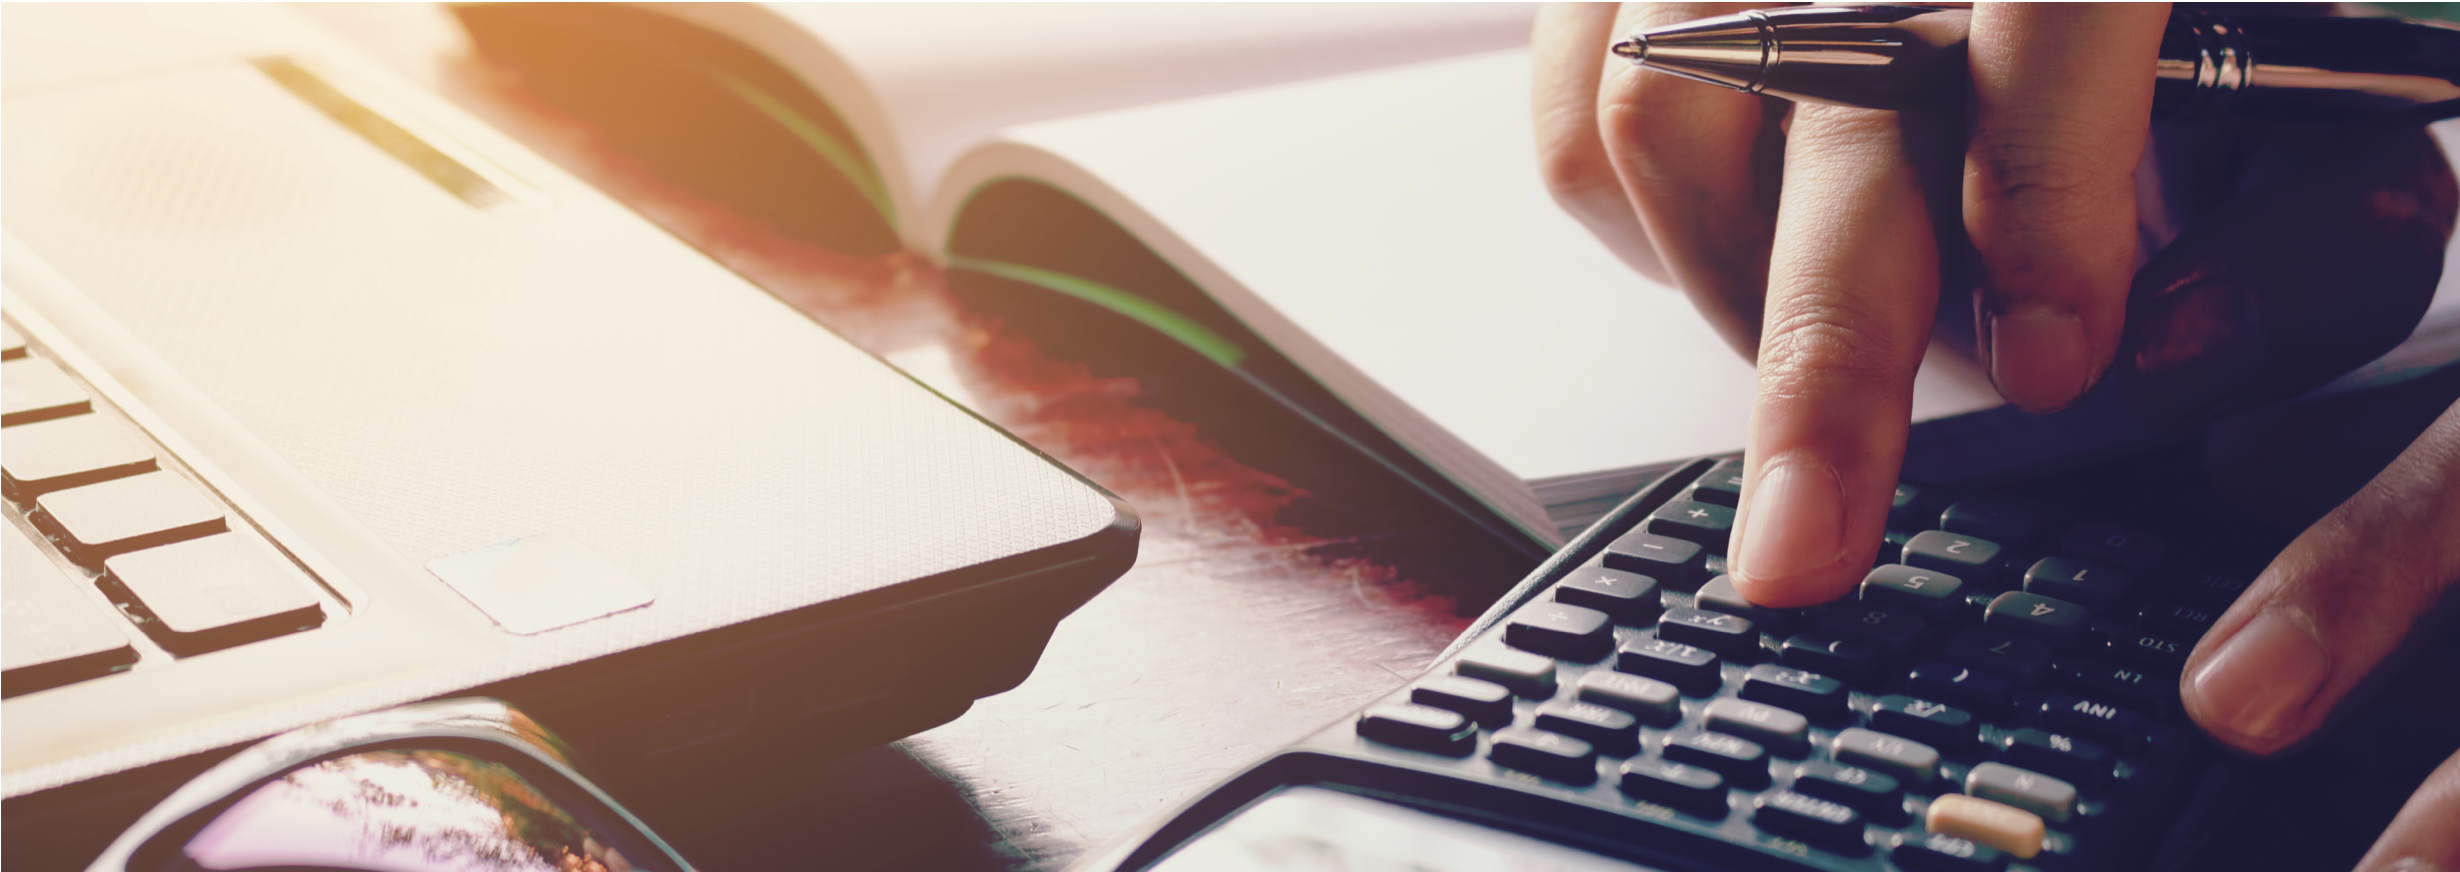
(324, 397)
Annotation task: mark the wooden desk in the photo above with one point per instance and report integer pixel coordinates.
(1258, 611)
(1260, 608)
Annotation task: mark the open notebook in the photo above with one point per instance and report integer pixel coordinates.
(1337, 206)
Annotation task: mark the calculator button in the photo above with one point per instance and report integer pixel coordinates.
(140, 511)
(1706, 523)
(1652, 701)
(2026, 790)
(51, 631)
(1909, 761)
(68, 452)
(1973, 559)
(1927, 591)
(1552, 756)
(1626, 597)
(1872, 793)
(33, 389)
(1808, 818)
(2209, 589)
(2058, 754)
(2122, 681)
(2176, 620)
(2162, 653)
(2016, 658)
(1781, 732)
(1692, 669)
(2055, 622)
(1963, 685)
(2098, 720)
(215, 592)
(1523, 673)
(1613, 732)
(1848, 660)
(1941, 852)
(1730, 635)
(2114, 545)
(1722, 485)
(1484, 702)
(2092, 585)
(1558, 630)
(1905, 508)
(1691, 788)
(1810, 693)
(1673, 562)
(1740, 760)
(1719, 595)
(1893, 629)
(1420, 728)
(2006, 522)
(1979, 820)
(1932, 723)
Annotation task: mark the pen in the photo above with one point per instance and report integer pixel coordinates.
(2211, 64)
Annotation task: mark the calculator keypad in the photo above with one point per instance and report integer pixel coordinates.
(1955, 712)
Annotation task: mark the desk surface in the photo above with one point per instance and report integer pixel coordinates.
(1259, 610)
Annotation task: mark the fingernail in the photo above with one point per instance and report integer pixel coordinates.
(2262, 677)
(1797, 521)
(2409, 864)
(2039, 357)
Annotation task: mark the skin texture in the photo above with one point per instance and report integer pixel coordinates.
(1817, 240)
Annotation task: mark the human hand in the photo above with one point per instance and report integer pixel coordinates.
(1806, 236)
(2291, 256)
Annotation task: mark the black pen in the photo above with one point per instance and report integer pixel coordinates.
(2211, 64)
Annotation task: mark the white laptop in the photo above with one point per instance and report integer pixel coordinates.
(323, 397)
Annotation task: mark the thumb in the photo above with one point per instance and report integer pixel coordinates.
(2333, 605)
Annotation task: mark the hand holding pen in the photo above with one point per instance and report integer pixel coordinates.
(2214, 267)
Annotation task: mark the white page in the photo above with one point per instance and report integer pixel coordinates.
(946, 76)
(1397, 218)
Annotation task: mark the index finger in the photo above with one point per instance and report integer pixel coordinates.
(1853, 284)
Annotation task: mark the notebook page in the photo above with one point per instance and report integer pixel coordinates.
(1389, 231)
(942, 77)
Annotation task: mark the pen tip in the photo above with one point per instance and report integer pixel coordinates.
(1635, 49)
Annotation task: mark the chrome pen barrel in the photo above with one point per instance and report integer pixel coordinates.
(1885, 57)
(2311, 69)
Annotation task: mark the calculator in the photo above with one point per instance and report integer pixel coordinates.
(2000, 693)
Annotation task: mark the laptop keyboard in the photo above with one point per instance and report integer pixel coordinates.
(1999, 691)
(106, 534)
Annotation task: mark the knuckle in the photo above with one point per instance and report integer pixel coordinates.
(1812, 341)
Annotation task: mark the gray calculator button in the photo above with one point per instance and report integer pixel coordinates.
(140, 511)
(68, 452)
(1911, 762)
(1526, 674)
(33, 389)
(1652, 701)
(2025, 789)
(1782, 732)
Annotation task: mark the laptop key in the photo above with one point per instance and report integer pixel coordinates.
(69, 452)
(51, 633)
(33, 389)
(216, 592)
(141, 511)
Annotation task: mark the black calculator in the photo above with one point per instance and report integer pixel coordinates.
(2000, 694)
